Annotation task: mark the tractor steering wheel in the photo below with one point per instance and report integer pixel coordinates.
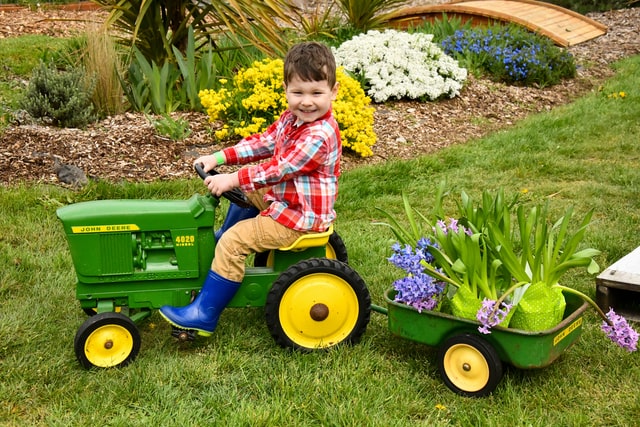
(236, 195)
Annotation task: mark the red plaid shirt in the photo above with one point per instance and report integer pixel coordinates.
(302, 170)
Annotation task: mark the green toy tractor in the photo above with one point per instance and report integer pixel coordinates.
(134, 256)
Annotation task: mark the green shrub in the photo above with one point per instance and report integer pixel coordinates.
(164, 89)
(586, 6)
(174, 129)
(442, 27)
(365, 15)
(61, 98)
(155, 27)
(152, 87)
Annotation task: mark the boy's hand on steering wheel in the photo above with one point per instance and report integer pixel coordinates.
(208, 162)
(218, 184)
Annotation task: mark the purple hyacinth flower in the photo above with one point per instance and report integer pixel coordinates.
(489, 316)
(416, 289)
(619, 331)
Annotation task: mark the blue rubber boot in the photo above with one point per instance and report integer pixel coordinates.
(234, 215)
(203, 313)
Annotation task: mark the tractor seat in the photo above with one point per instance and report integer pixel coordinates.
(310, 240)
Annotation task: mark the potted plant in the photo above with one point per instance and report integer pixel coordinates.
(478, 266)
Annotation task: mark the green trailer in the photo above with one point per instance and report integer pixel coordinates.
(471, 363)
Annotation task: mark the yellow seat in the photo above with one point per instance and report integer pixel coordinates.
(310, 240)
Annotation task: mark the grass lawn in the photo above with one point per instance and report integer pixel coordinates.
(585, 154)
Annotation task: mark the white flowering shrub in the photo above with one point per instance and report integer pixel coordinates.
(397, 64)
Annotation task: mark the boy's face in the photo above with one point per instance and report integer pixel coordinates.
(309, 101)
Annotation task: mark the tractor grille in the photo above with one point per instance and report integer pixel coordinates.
(115, 253)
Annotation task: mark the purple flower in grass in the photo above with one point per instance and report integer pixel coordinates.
(619, 331)
(489, 315)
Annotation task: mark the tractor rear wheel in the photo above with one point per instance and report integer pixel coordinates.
(318, 303)
(107, 340)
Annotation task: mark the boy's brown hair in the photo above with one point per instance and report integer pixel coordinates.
(310, 61)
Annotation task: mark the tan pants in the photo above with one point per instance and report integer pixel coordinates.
(252, 235)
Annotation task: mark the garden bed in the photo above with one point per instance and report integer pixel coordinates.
(127, 147)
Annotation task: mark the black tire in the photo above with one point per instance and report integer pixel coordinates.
(336, 249)
(318, 303)
(469, 365)
(107, 340)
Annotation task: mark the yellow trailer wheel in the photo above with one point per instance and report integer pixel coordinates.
(469, 365)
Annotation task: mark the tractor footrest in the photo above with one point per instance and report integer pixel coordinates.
(183, 335)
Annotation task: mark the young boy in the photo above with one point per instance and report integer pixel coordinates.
(299, 180)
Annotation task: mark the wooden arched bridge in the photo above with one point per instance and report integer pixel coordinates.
(563, 26)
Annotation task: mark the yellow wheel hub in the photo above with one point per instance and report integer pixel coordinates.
(108, 346)
(466, 367)
(319, 310)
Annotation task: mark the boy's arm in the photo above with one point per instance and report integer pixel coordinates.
(303, 158)
(253, 148)
(249, 149)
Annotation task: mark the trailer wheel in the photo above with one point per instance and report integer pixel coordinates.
(469, 365)
(318, 303)
(336, 249)
(107, 340)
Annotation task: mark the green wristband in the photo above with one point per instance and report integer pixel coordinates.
(220, 159)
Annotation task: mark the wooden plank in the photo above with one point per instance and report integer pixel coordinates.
(541, 15)
(558, 21)
(561, 25)
(505, 4)
(507, 7)
(537, 3)
(619, 286)
(575, 31)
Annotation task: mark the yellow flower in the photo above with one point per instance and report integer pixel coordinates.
(257, 92)
(222, 133)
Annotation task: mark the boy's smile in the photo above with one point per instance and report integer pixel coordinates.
(310, 100)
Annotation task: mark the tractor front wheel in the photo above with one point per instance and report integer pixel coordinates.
(318, 303)
(107, 340)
